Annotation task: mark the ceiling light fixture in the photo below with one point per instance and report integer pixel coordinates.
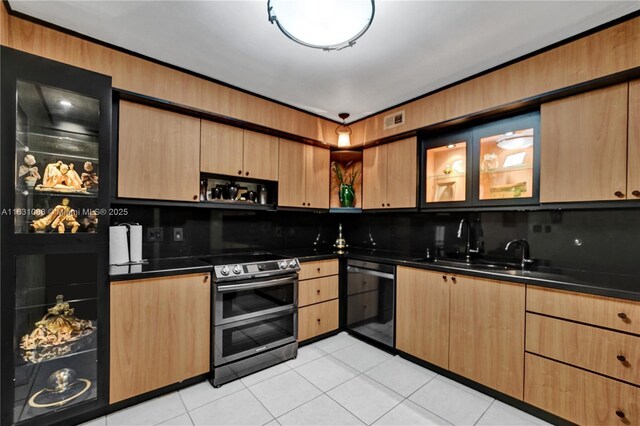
(322, 24)
(515, 141)
(451, 146)
(343, 131)
(65, 103)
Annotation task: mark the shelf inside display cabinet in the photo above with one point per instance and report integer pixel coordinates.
(223, 192)
(349, 163)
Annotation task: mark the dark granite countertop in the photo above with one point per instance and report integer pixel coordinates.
(604, 284)
(158, 268)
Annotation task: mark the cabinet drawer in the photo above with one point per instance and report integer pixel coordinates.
(362, 306)
(603, 351)
(318, 268)
(579, 396)
(317, 290)
(317, 319)
(607, 312)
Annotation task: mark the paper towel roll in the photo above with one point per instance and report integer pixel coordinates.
(118, 245)
(135, 243)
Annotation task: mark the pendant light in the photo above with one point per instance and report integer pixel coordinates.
(343, 131)
(322, 24)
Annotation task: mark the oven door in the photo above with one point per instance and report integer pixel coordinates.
(246, 300)
(252, 336)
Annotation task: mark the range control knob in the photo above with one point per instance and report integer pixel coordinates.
(237, 269)
(292, 264)
(224, 271)
(282, 265)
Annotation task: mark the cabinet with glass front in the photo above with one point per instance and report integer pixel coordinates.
(494, 164)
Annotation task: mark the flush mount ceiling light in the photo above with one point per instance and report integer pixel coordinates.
(511, 141)
(322, 24)
(343, 131)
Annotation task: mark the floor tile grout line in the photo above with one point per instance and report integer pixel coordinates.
(263, 406)
(301, 405)
(484, 412)
(214, 400)
(185, 407)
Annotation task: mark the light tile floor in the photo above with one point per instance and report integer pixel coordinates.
(337, 381)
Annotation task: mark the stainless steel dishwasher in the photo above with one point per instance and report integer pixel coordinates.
(371, 300)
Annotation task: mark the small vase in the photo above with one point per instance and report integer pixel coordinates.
(347, 195)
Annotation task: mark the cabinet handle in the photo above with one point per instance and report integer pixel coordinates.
(388, 205)
(382, 204)
(195, 197)
(636, 193)
(444, 278)
(622, 315)
(247, 174)
(318, 319)
(206, 278)
(621, 358)
(620, 414)
(619, 194)
(239, 172)
(318, 269)
(318, 291)
(453, 280)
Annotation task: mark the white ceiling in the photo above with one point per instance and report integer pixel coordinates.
(412, 47)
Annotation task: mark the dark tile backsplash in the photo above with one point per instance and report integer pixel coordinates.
(596, 240)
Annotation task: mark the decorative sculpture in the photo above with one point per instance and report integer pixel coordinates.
(29, 171)
(89, 177)
(60, 177)
(61, 217)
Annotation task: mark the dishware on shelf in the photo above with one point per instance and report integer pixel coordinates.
(262, 195)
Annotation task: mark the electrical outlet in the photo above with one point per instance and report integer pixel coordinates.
(178, 235)
(155, 235)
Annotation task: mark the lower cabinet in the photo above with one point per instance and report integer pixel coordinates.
(487, 333)
(318, 292)
(422, 314)
(579, 396)
(314, 320)
(159, 332)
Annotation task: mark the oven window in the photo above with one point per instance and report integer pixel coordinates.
(256, 300)
(251, 336)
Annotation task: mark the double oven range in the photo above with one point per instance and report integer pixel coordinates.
(255, 313)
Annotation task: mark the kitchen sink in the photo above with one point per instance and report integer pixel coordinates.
(468, 265)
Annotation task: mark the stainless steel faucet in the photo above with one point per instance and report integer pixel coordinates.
(468, 250)
(524, 245)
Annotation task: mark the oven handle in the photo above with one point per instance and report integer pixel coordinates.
(370, 272)
(252, 285)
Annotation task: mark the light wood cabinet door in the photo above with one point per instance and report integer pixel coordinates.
(291, 173)
(584, 147)
(402, 178)
(318, 268)
(317, 177)
(487, 333)
(318, 290)
(158, 154)
(579, 396)
(159, 333)
(318, 319)
(221, 149)
(260, 156)
(422, 314)
(374, 177)
(633, 168)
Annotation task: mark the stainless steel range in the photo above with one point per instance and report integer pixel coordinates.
(255, 313)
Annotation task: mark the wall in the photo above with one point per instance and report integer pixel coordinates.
(608, 239)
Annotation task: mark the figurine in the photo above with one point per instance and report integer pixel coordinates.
(61, 216)
(89, 177)
(340, 243)
(60, 177)
(90, 223)
(30, 170)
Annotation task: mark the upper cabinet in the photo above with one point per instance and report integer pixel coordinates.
(491, 164)
(633, 168)
(584, 146)
(304, 175)
(232, 151)
(158, 154)
(389, 175)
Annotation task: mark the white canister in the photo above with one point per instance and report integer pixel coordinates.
(135, 243)
(118, 245)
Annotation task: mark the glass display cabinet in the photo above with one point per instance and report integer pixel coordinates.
(55, 141)
(495, 164)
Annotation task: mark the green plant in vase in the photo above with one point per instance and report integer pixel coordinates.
(346, 179)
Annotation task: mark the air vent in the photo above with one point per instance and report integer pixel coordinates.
(394, 120)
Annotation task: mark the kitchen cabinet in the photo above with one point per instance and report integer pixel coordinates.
(579, 396)
(487, 320)
(158, 154)
(318, 319)
(389, 175)
(422, 314)
(303, 175)
(231, 151)
(492, 164)
(160, 333)
(584, 146)
(318, 268)
(633, 152)
(318, 292)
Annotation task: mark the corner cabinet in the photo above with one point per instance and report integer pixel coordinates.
(303, 175)
(158, 154)
(494, 164)
(389, 175)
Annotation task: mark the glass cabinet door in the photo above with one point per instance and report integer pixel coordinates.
(57, 167)
(445, 163)
(507, 159)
